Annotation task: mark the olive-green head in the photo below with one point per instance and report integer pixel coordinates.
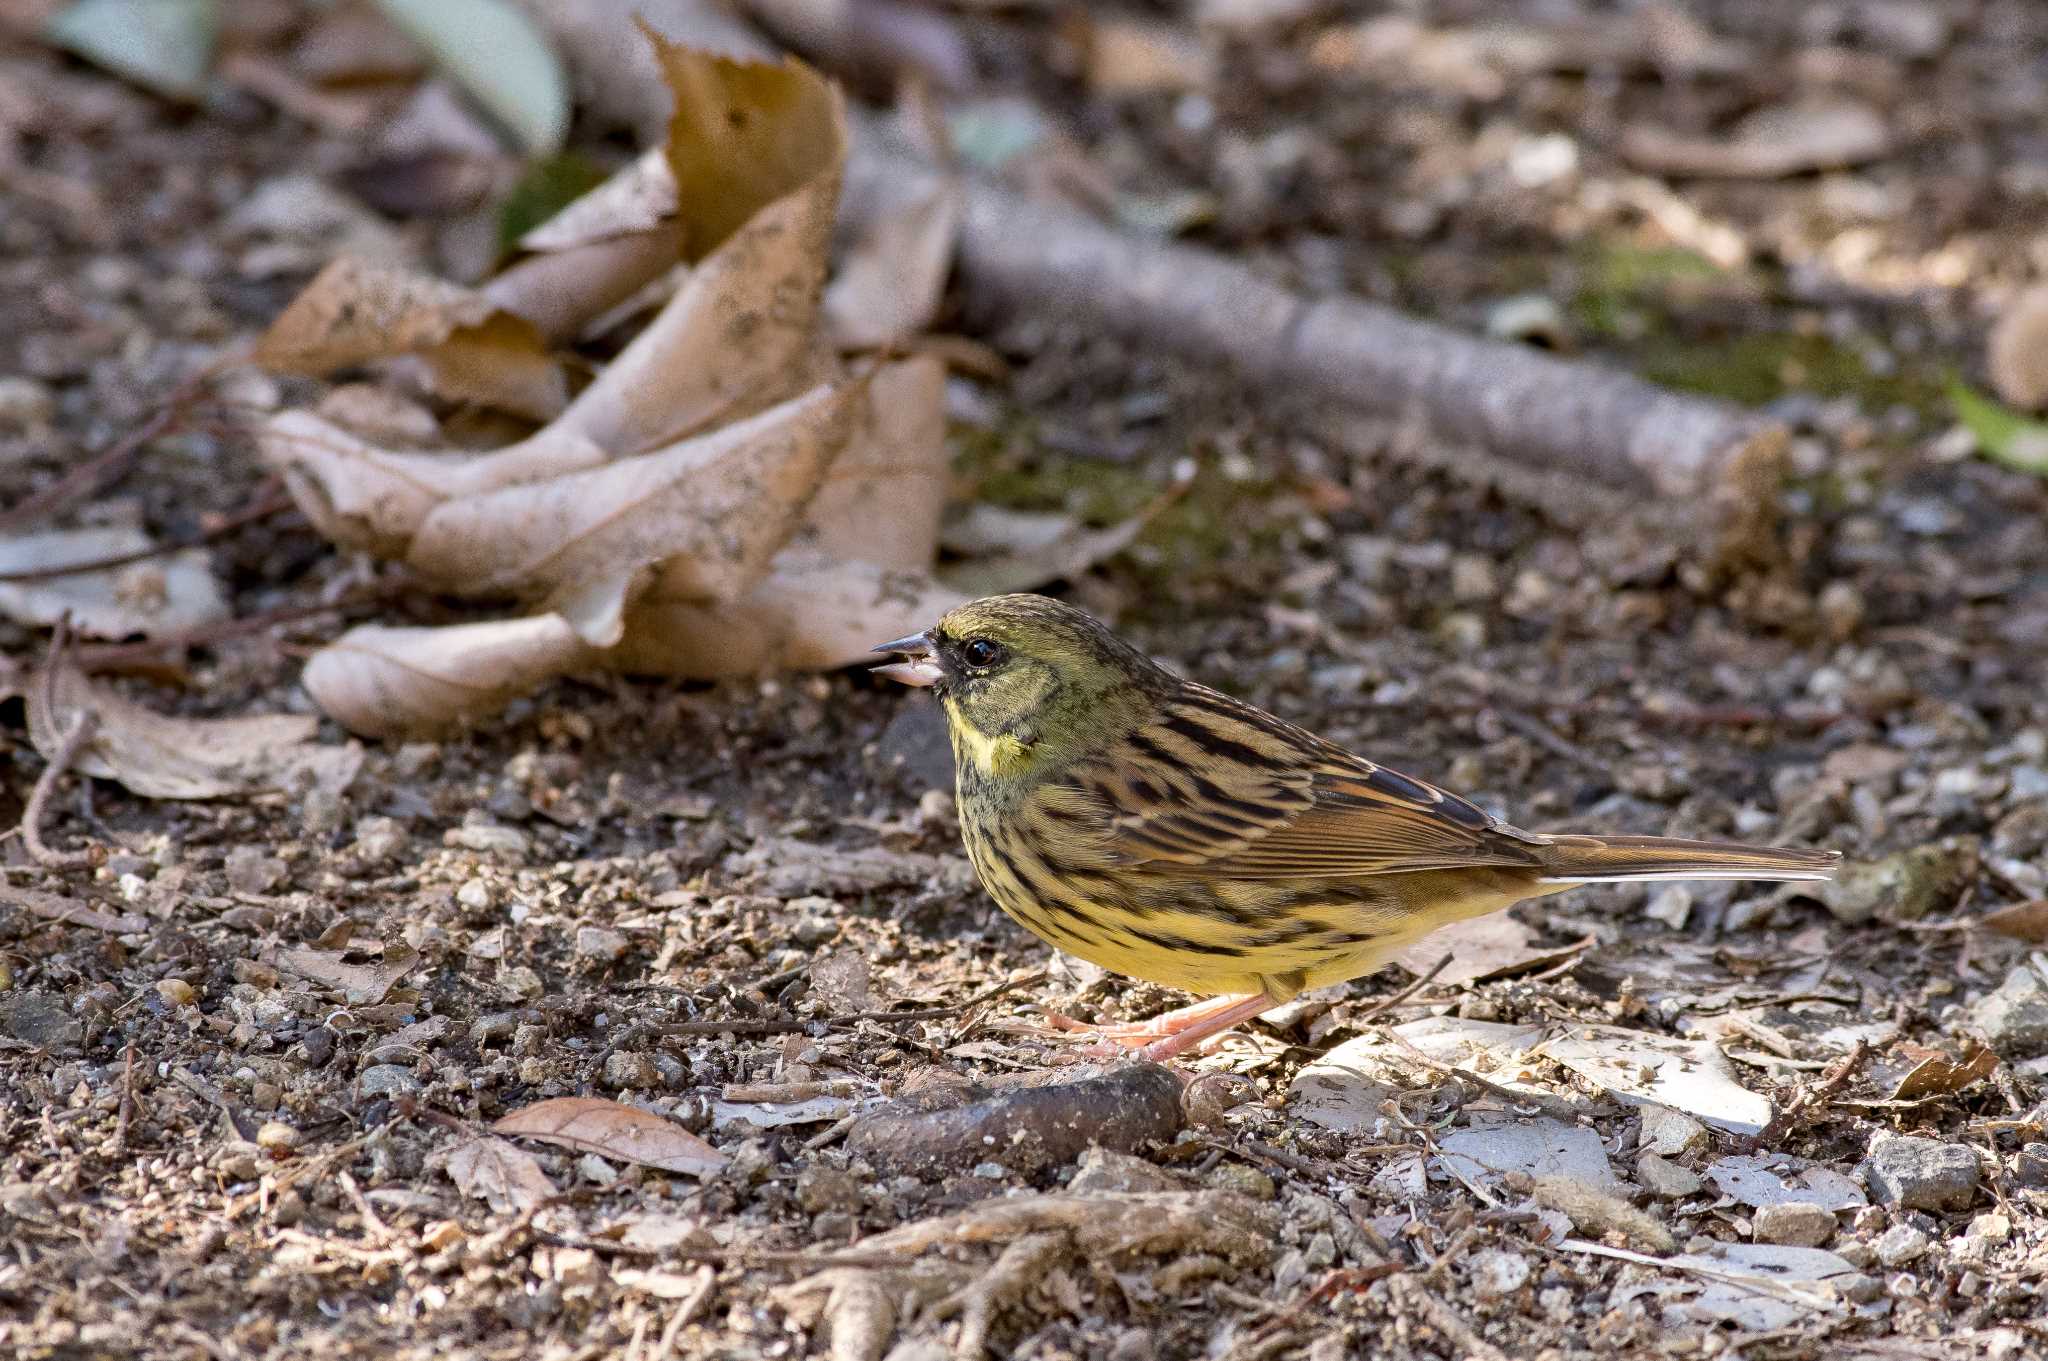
(1028, 683)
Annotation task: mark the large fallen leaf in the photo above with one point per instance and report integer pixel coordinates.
(354, 311)
(391, 682)
(1693, 1076)
(364, 496)
(494, 52)
(591, 1124)
(812, 612)
(1759, 1179)
(360, 984)
(891, 281)
(743, 135)
(165, 594)
(1936, 1072)
(162, 757)
(886, 492)
(502, 1175)
(711, 510)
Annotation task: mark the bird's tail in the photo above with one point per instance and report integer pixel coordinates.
(1652, 859)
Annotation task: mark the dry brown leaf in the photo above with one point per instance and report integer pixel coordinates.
(164, 594)
(501, 363)
(812, 612)
(360, 985)
(354, 312)
(363, 496)
(590, 1124)
(2021, 921)
(394, 682)
(561, 291)
(1936, 1072)
(162, 757)
(502, 1175)
(712, 511)
(744, 134)
(891, 281)
(883, 498)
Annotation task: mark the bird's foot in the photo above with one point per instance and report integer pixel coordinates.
(1160, 1038)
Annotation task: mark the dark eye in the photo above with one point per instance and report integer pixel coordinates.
(980, 653)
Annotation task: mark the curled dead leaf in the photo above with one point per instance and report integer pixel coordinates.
(711, 510)
(355, 311)
(1936, 1072)
(163, 757)
(812, 611)
(393, 682)
(591, 1124)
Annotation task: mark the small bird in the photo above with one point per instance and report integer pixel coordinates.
(1169, 832)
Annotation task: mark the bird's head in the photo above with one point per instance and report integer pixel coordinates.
(1026, 681)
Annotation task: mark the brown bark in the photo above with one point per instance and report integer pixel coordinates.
(1605, 427)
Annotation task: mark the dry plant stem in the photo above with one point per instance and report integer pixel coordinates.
(113, 462)
(91, 857)
(273, 502)
(1600, 425)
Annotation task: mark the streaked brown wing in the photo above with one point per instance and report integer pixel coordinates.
(1217, 787)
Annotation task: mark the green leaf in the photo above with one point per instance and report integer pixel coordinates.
(493, 51)
(2003, 434)
(163, 45)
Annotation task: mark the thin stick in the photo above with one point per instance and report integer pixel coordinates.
(113, 462)
(92, 856)
(272, 504)
(127, 1098)
(1379, 1009)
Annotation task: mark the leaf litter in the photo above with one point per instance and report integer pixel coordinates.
(724, 497)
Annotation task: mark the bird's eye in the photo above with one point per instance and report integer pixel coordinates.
(980, 652)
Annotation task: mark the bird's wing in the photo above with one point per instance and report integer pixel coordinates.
(1214, 786)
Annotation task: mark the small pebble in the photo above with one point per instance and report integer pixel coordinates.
(1800, 1223)
(276, 1137)
(177, 992)
(623, 1070)
(1921, 1174)
(1664, 1178)
(1900, 1244)
(387, 1079)
(600, 943)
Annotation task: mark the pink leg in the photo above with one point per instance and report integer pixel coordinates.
(1162, 1037)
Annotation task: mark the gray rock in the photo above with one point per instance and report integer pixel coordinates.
(600, 943)
(1669, 1133)
(1903, 887)
(40, 1021)
(387, 1079)
(251, 871)
(1798, 1222)
(1921, 1174)
(1667, 1179)
(1900, 1244)
(1105, 1169)
(624, 1069)
(2015, 1016)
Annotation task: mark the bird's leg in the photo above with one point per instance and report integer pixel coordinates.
(1175, 1032)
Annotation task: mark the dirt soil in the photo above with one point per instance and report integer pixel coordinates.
(708, 902)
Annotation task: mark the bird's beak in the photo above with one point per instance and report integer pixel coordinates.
(923, 667)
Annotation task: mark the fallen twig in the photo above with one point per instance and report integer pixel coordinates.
(1601, 425)
(273, 502)
(113, 462)
(1385, 1005)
